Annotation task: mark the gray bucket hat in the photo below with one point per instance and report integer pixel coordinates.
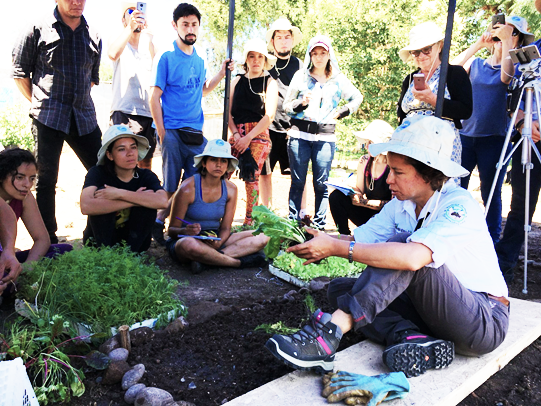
(426, 139)
(217, 149)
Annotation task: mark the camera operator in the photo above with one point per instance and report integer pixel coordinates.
(508, 248)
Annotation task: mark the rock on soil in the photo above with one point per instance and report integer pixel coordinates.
(153, 397)
(119, 354)
(115, 372)
(131, 393)
(133, 376)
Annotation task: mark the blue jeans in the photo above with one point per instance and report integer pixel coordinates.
(508, 248)
(321, 154)
(485, 153)
(176, 156)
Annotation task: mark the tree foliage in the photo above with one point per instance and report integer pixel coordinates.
(367, 36)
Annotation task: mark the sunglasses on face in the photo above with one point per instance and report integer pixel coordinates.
(425, 51)
(515, 33)
(131, 10)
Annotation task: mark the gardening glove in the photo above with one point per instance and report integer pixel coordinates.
(356, 389)
(247, 166)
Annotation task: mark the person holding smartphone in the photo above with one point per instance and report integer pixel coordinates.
(483, 134)
(424, 48)
(132, 52)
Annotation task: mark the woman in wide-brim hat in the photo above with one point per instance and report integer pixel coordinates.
(254, 97)
(202, 212)
(370, 185)
(483, 134)
(120, 199)
(423, 50)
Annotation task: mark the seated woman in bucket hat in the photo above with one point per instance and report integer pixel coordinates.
(432, 284)
(254, 97)
(370, 184)
(202, 212)
(120, 199)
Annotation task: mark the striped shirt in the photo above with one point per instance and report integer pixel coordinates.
(62, 64)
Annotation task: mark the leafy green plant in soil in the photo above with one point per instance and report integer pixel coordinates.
(47, 343)
(281, 232)
(101, 287)
(332, 267)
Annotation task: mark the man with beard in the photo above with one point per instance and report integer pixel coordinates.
(281, 38)
(179, 81)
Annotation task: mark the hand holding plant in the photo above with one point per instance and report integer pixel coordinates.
(318, 248)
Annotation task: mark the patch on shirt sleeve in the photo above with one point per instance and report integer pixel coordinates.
(455, 213)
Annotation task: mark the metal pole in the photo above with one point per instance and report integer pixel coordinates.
(227, 71)
(445, 57)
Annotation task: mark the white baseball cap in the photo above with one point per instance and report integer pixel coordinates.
(426, 139)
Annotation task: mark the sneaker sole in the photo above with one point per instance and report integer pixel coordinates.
(317, 366)
(415, 359)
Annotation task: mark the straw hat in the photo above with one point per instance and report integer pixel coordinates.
(218, 149)
(421, 36)
(283, 24)
(116, 132)
(258, 45)
(426, 139)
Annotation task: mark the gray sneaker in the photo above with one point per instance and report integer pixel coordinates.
(311, 348)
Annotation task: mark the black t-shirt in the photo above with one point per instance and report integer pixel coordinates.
(99, 176)
(284, 74)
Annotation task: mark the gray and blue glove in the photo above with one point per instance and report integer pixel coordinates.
(356, 389)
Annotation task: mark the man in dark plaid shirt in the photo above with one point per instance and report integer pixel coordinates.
(55, 64)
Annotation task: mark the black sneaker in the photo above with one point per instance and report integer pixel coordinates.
(416, 352)
(255, 260)
(157, 233)
(311, 348)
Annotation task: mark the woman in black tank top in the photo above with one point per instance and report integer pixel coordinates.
(254, 97)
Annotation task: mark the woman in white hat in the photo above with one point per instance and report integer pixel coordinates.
(372, 190)
(483, 134)
(312, 102)
(202, 213)
(120, 199)
(432, 285)
(254, 97)
(424, 48)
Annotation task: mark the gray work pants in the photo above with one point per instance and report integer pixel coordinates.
(384, 303)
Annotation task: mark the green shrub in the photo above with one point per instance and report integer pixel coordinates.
(15, 127)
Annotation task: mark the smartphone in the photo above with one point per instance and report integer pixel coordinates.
(419, 81)
(497, 19)
(142, 7)
(531, 52)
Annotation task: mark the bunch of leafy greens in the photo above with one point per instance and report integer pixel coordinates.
(47, 343)
(101, 287)
(280, 230)
(333, 267)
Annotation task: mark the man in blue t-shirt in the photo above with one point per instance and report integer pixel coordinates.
(179, 82)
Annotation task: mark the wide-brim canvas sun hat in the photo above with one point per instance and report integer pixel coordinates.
(520, 24)
(116, 132)
(258, 45)
(377, 131)
(218, 149)
(426, 139)
(421, 36)
(283, 24)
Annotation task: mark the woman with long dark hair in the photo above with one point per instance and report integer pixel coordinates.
(120, 199)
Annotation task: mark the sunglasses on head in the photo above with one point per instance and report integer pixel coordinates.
(426, 51)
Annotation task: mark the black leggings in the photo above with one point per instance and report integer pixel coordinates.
(343, 210)
(136, 231)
